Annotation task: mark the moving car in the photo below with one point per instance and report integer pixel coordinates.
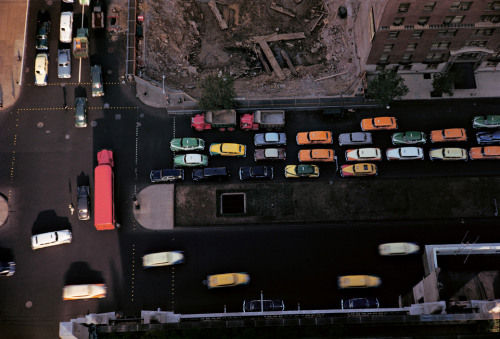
(187, 144)
(50, 239)
(488, 137)
(80, 112)
(263, 305)
(408, 138)
(489, 121)
(66, 29)
(379, 123)
(83, 202)
(449, 153)
(398, 248)
(97, 85)
(43, 31)
(311, 155)
(162, 259)
(256, 172)
(363, 154)
(64, 64)
(227, 280)
(450, 134)
(190, 160)
(7, 268)
(211, 174)
(301, 171)
(86, 291)
(270, 139)
(405, 153)
(485, 153)
(358, 281)
(269, 154)
(356, 138)
(316, 137)
(360, 303)
(41, 69)
(167, 175)
(228, 150)
(358, 170)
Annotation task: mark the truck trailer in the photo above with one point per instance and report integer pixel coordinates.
(104, 197)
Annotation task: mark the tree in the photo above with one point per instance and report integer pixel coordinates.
(386, 87)
(217, 93)
(442, 83)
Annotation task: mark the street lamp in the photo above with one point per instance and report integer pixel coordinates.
(163, 83)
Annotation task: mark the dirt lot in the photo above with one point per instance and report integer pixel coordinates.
(184, 42)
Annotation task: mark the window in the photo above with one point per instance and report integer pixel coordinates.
(456, 19)
(398, 21)
(460, 5)
(411, 46)
(490, 18)
(432, 66)
(429, 6)
(493, 6)
(406, 57)
(380, 67)
(476, 43)
(403, 8)
(447, 33)
(407, 67)
(388, 47)
(423, 20)
(434, 57)
(384, 58)
(468, 56)
(393, 35)
(484, 31)
(440, 45)
(495, 56)
(491, 64)
(417, 33)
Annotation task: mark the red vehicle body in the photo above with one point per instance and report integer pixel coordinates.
(221, 120)
(104, 202)
(269, 120)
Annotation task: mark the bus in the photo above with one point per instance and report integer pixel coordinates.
(104, 197)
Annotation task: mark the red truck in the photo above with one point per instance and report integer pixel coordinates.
(269, 120)
(222, 120)
(104, 198)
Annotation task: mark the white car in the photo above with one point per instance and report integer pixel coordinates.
(66, 28)
(86, 291)
(41, 69)
(405, 153)
(363, 154)
(51, 239)
(162, 259)
(398, 248)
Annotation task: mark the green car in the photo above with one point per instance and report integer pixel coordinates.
(301, 171)
(489, 121)
(190, 160)
(408, 138)
(187, 144)
(42, 36)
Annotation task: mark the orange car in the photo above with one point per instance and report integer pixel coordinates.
(378, 123)
(450, 134)
(311, 155)
(316, 137)
(484, 153)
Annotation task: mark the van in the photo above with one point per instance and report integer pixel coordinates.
(211, 174)
(51, 239)
(66, 30)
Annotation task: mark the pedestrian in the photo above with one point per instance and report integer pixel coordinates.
(71, 208)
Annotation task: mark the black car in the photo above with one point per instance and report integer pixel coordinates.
(211, 174)
(7, 268)
(268, 305)
(42, 31)
(83, 202)
(167, 175)
(256, 172)
(488, 137)
(360, 303)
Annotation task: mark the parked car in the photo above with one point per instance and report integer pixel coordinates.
(64, 64)
(270, 154)
(167, 175)
(211, 174)
(162, 259)
(85, 291)
(256, 172)
(51, 239)
(356, 303)
(190, 160)
(358, 170)
(66, 28)
(408, 138)
(450, 134)
(301, 171)
(489, 121)
(227, 280)
(263, 305)
(363, 154)
(97, 85)
(358, 281)
(41, 69)
(355, 138)
(488, 137)
(43, 31)
(379, 123)
(405, 153)
(398, 248)
(315, 137)
(228, 150)
(83, 202)
(269, 139)
(80, 112)
(313, 155)
(448, 154)
(485, 153)
(187, 144)
(7, 268)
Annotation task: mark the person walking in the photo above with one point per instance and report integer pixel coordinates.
(71, 208)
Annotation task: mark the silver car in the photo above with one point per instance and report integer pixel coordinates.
(268, 139)
(356, 138)
(80, 112)
(64, 63)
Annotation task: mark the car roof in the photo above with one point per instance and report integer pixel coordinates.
(453, 152)
(318, 135)
(271, 153)
(492, 150)
(383, 121)
(359, 136)
(410, 151)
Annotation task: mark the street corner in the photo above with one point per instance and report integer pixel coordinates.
(153, 207)
(4, 209)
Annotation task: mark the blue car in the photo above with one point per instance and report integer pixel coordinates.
(488, 137)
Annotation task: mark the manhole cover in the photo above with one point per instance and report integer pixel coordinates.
(39, 125)
(66, 136)
(118, 116)
(110, 71)
(29, 304)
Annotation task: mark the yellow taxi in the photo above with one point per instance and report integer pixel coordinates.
(227, 280)
(358, 170)
(358, 281)
(228, 150)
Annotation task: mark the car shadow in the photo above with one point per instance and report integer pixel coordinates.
(80, 273)
(49, 221)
